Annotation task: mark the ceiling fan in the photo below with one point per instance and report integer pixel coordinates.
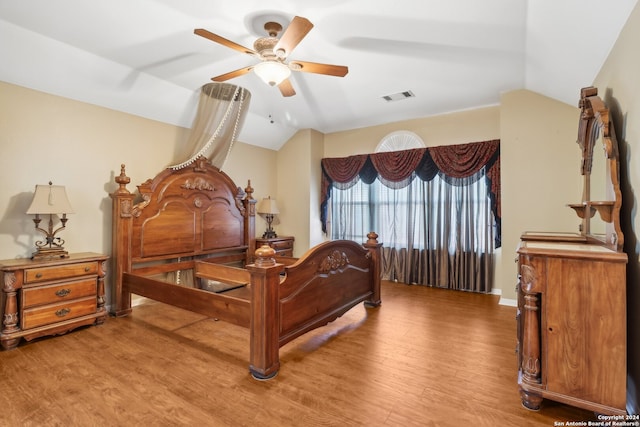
(273, 53)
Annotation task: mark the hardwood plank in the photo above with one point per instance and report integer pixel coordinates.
(426, 357)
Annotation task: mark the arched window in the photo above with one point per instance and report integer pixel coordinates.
(400, 140)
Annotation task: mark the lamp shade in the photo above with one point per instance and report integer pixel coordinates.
(268, 206)
(272, 72)
(50, 199)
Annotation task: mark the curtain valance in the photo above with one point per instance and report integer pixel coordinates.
(397, 169)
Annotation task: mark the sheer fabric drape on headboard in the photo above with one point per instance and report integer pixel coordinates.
(222, 108)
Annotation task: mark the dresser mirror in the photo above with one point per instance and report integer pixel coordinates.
(601, 197)
(599, 188)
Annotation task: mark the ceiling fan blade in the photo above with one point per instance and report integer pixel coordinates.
(295, 32)
(218, 39)
(286, 88)
(232, 74)
(314, 67)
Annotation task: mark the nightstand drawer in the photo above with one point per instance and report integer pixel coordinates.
(279, 245)
(58, 293)
(282, 245)
(43, 274)
(53, 313)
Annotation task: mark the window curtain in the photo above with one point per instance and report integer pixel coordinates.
(222, 108)
(437, 211)
(397, 169)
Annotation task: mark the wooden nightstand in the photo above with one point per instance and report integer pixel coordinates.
(282, 245)
(50, 297)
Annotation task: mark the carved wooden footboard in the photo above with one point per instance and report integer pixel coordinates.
(321, 286)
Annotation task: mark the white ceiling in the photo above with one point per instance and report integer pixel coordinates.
(141, 56)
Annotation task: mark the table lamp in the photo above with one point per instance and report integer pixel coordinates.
(50, 200)
(269, 209)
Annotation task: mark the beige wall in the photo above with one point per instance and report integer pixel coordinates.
(540, 172)
(93, 141)
(618, 84)
(455, 128)
(250, 163)
(48, 138)
(298, 177)
(317, 153)
(81, 146)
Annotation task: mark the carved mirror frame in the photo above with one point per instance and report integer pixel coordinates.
(597, 141)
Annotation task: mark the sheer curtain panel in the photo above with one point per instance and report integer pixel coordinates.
(222, 108)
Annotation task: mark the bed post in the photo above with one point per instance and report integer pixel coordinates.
(375, 252)
(121, 220)
(249, 223)
(264, 360)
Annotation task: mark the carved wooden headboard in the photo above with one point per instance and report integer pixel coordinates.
(190, 212)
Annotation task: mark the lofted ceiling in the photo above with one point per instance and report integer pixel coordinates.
(142, 57)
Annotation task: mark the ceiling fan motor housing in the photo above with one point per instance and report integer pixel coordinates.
(264, 46)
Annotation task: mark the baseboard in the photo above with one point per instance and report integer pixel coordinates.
(508, 301)
(504, 301)
(137, 300)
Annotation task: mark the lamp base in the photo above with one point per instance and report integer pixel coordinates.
(49, 253)
(269, 234)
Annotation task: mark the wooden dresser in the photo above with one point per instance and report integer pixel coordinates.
(282, 245)
(572, 325)
(572, 287)
(50, 297)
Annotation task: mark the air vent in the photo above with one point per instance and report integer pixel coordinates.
(399, 96)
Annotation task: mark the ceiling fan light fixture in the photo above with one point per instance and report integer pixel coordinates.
(272, 72)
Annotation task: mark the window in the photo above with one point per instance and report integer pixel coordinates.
(436, 210)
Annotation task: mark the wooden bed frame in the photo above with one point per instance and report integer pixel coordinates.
(196, 219)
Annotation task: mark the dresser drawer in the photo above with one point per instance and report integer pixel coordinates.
(43, 274)
(58, 293)
(53, 313)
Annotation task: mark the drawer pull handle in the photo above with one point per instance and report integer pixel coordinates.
(63, 312)
(63, 292)
(87, 269)
(38, 275)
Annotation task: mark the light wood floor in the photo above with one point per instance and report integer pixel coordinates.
(426, 357)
